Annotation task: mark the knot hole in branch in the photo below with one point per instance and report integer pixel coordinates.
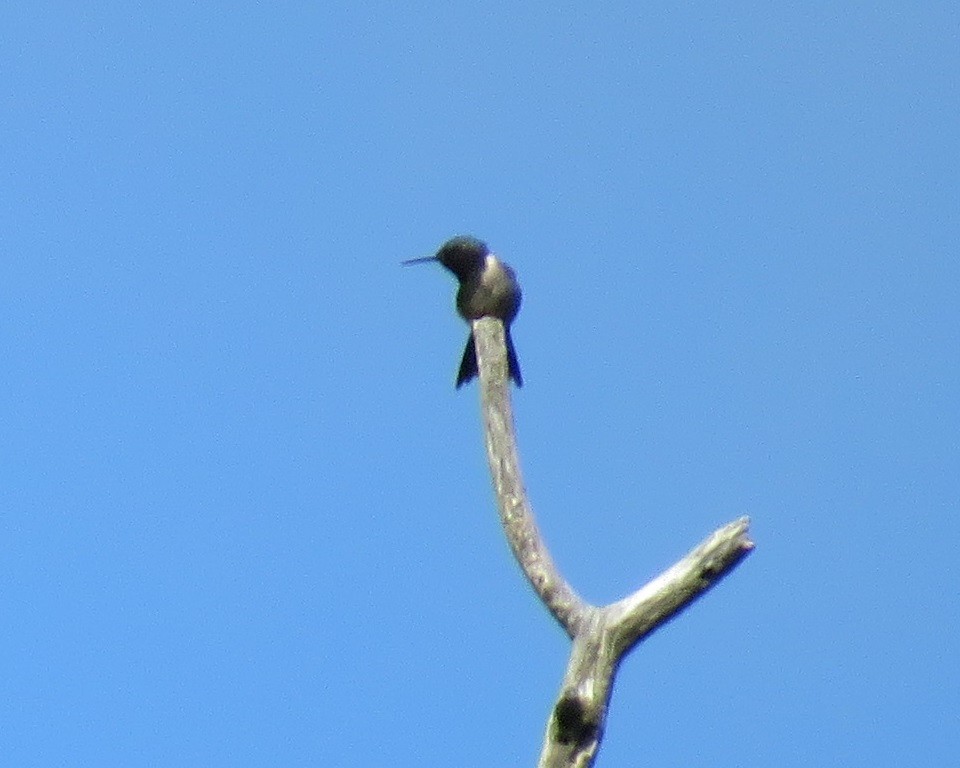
(571, 722)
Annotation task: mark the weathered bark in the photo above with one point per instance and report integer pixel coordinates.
(602, 635)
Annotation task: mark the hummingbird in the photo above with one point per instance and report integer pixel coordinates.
(488, 288)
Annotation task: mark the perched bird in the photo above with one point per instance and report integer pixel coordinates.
(488, 288)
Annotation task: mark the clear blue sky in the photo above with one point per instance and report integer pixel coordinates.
(245, 519)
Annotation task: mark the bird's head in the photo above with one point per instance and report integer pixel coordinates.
(462, 255)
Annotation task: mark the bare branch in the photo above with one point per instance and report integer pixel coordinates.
(601, 636)
(515, 513)
(637, 615)
(577, 720)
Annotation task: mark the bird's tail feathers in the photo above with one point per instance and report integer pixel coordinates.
(468, 363)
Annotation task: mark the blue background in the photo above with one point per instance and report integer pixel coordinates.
(245, 519)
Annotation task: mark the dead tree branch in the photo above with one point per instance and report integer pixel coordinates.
(601, 636)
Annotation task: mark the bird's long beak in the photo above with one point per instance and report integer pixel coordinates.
(420, 260)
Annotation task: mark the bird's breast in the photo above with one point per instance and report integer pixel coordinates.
(491, 292)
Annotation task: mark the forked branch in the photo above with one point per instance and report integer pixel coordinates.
(602, 635)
